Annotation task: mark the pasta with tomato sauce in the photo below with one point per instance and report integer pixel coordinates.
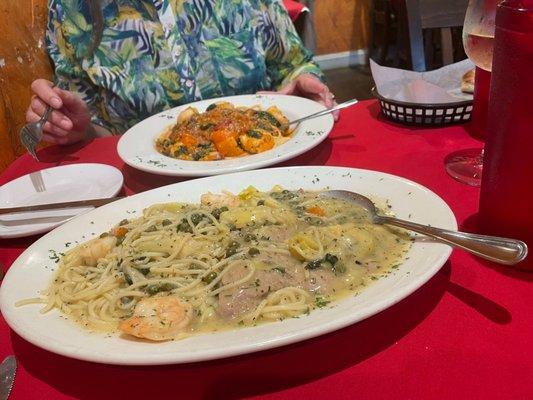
(223, 131)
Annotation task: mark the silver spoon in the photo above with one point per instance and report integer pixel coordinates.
(324, 112)
(497, 249)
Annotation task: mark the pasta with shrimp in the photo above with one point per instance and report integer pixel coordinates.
(230, 261)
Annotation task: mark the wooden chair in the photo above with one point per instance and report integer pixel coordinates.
(383, 26)
(425, 14)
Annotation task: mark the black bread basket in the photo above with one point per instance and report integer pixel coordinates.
(425, 114)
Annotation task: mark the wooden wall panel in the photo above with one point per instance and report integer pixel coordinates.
(22, 59)
(341, 25)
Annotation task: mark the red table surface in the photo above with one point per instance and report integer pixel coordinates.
(466, 334)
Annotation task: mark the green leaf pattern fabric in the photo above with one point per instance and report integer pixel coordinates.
(159, 54)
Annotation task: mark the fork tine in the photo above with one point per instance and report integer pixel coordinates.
(37, 181)
(29, 146)
(40, 182)
(28, 133)
(29, 143)
(34, 154)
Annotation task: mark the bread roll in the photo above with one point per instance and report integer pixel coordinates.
(467, 84)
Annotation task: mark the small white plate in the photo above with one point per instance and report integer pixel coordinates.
(34, 269)
(137, 146)
(54, 185)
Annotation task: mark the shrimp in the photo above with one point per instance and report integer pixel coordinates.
(187, 114)
(158, 318)
(256, 141)
(95, 249)
(218, 200)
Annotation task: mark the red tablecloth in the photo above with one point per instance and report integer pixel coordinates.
(466, 334)
(293, 8)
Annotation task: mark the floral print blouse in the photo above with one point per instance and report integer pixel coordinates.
(158, 54)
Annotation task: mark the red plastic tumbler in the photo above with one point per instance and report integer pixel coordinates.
(506, 201)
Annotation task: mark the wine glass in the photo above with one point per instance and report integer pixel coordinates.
(478, 34)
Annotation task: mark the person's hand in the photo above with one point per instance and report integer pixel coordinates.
(309, 86)
(69, 122)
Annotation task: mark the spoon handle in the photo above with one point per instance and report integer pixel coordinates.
(324, 112)
(497, 249)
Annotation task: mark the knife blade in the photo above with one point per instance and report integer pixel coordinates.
(53, 206)
(8, 369)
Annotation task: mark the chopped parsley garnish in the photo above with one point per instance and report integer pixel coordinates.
(321, 302)
(254, 134)
(55, 256)
(269, 117)
(180, 151)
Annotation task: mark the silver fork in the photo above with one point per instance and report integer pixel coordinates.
(32, 133)
(324, 112)
(37, 181)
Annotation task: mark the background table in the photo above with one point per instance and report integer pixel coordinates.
(467, 333)
(294, 8)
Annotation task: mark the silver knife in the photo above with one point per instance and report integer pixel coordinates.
(8, 369)
(52, 206)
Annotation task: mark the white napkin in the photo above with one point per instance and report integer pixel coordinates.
(439, 86)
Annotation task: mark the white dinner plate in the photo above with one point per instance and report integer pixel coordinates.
(32, 271)
(137, 146)
(54, 185)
